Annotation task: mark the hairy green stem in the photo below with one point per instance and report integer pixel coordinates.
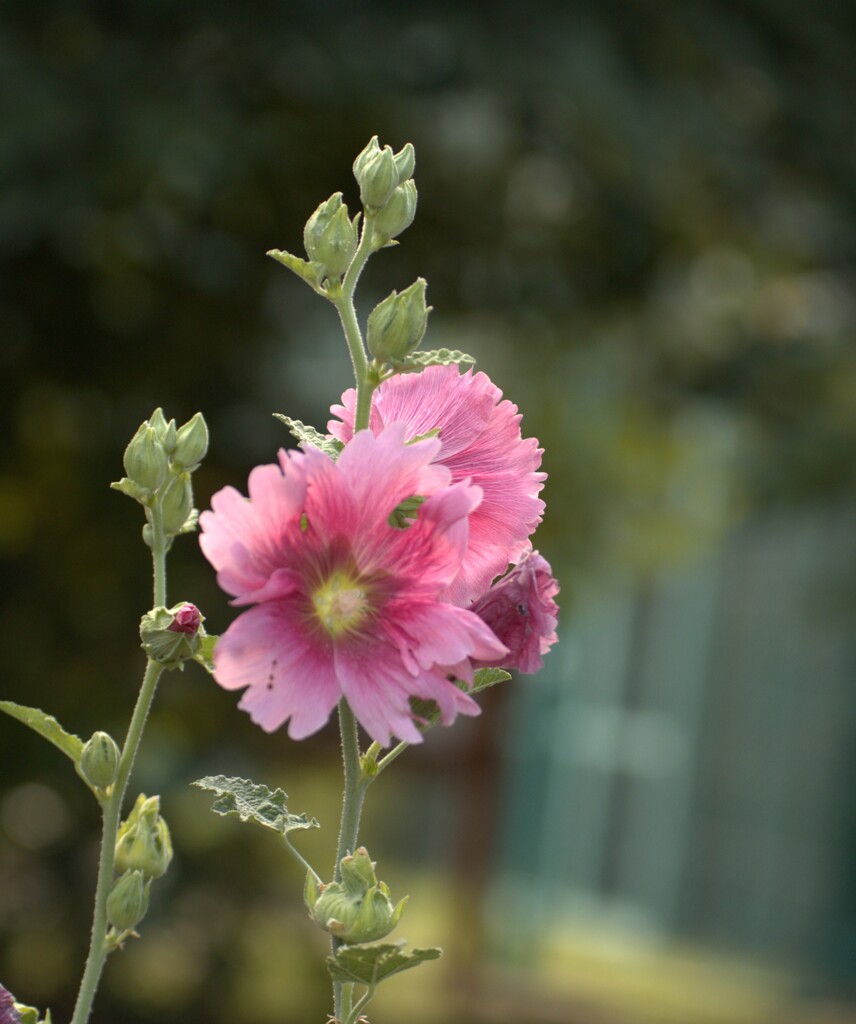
(344, 303)
(352, 805)
(112, 808)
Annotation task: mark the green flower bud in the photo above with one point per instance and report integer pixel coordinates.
(405, 162)
(171, 636)
(357, 909)
(177, 504)
(398, 213)
(358, 874)
(191, 443)
(397, 325)
(157, 421)
(99, 760)
(169, 438)
(146, 461)
(330, 237)
(369, 151)
(378, 178)
(143, 842)
(128, 901)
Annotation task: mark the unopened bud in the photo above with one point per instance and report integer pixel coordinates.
(187, 619)
(378, 178)
(405, 162)
(99, 760)
(330, 237)
(128, 901)
(357, 909)
(146, 461)
(397, 325)
(369, 151)
(177, 504)
(143, 842)
(191, 443)
(169, 644)
(398, 213)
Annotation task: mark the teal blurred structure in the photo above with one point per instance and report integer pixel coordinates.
(683, 770)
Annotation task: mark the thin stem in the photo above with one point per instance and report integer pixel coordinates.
(361, 1004)
(296, 853)
(384, 762)
(112, 809)
(352, 805)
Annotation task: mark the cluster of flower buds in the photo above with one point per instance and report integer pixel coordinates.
(158, 464)
(330, 237)
(143, 842)
(143, 852)
(358, 908)
(379, 173)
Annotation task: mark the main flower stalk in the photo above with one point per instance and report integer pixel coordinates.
(112, 807)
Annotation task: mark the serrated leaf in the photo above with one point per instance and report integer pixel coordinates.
(254, 802)
(370, 965)
(310, 436)
(433, 357)
(47, 726)
(485, 677)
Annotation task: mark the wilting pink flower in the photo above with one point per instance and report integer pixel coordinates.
(8, 1013)
(345, 603)
(187, 620)
(480, 442)
(521, 611)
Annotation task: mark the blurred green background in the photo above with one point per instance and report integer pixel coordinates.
(640, 219)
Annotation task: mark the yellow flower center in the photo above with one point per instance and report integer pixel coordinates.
(340, 603)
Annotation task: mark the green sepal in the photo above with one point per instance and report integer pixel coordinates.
(482, 679)
(485, 677)
(309, 271)
(48, 727)
(255, 803)
(126, 486)
(370, 965)
(306, 435)
(30, 1015)
(204, 653)
(417, 361)
(405, 512)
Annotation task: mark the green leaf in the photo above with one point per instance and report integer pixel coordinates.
(434, 357)
(255, 803)
(47, 726)
(482, 679)
(370, 965)
(485, 677)
(310, 436)
(311, 273)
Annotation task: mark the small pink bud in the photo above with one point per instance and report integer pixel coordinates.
(187, 620)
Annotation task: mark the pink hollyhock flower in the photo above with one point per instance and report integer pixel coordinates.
(345, 603)
(480, 442)
(521, 611)
(8, 1013)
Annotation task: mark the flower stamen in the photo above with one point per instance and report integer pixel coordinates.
(340, 603)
